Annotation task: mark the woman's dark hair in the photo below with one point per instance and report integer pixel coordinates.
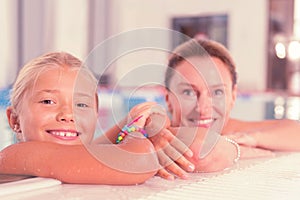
(202, 48)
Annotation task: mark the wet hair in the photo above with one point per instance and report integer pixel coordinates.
(30, 72)
(201, 48)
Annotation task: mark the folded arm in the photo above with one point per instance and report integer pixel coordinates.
(280, 135)
(76, 163)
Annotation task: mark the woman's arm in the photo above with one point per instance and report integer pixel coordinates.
(282, 135)
(78, 164)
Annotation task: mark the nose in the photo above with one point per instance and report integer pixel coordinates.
(204, 105)
(65, 114)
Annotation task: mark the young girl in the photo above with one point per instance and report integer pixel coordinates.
(53, 112)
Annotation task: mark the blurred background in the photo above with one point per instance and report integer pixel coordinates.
(262, 35)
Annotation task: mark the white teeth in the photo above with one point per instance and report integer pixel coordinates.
(69, 134)
(205, 121)
(64, 134)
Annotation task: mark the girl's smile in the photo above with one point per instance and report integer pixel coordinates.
(60, 106)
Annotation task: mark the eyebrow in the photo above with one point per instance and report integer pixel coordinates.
(47, 91)
(194, 86)
(218, 85)
(58, 91)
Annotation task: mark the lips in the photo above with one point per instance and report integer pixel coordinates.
(64, 134)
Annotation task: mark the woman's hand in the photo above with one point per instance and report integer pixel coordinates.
(171, 151)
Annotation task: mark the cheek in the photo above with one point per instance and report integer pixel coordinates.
(31, 125)
(229, 103)
(86, 121)
(181, 105)
(187, 107)
(30, 119)
(219, 105)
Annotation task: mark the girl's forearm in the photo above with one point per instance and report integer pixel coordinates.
(70, 164)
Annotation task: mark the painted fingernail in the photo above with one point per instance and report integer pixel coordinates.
(184, 176)
(189, 154)
(170, 178)
(191, 168)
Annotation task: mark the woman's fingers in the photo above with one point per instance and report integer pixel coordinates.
(169, 165)
(179, 172)
(165, 174)
(180, 146)
(179, 158)
(174, 161)
(164, 160)
(176, 143)
(171, 154)
(185, 164)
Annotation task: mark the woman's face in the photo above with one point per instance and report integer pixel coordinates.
(197, 101)
(54, 110)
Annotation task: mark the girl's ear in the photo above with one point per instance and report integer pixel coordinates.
(167, 99)
(12, 119)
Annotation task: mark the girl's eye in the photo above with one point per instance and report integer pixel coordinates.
(218, 92)
(47, 101)
(82, 105)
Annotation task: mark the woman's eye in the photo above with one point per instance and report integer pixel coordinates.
(47, 101)
(218, 92)
(189, 92)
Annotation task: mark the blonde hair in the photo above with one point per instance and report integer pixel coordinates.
(29, 73)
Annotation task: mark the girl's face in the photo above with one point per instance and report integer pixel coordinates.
(197, 101)
(54, 110)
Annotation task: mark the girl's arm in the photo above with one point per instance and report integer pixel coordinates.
(76, 164)
(109, 137)
(142, 110)
(282, 135)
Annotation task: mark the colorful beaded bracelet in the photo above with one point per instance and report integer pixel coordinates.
(129, 128)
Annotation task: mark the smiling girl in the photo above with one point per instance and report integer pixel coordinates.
(54, 108)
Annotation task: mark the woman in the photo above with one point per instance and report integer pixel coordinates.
(201, 83)
(260, 134)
